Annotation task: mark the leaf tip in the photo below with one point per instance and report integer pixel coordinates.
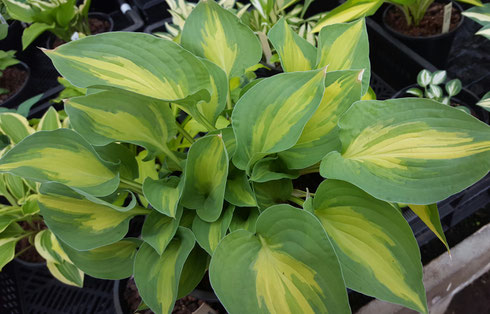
(361, 74)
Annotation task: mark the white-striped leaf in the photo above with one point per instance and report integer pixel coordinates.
(412, 151)
(15, 126)
(287, 266)
(375, 245)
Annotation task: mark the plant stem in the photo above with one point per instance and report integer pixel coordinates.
(22, 251)
(138, 210)
(312, 169)
(300, 193)
(131, 185)
(296, 200)
(170, 154)
(182, 131)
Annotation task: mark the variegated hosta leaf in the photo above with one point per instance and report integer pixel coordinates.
(15, 185)
(485, 101)
(272, 168)
(110, 116)
(412, 151)
(345, 47)
(208, 234)
(218, 35)
(205, 177)
(194, 269)
(59, 264)
(114, 261)
(120, 154)
(348, 11)
(320, 135)
(272, 192)
(164, 194)
(219, 92)
(15, 126)
(295, 52)
(429, 214)
(136, 62)
(238, 190)
(158, 230)
(287, 266)
(62, 156)
(49, 121)
(375, 245)
(157, 276)
(244, 218)
(269, 118)
(8, 240)
(8, 216)
(82, 224)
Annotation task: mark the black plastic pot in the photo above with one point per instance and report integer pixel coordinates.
(152, 10)
(97, 15)
(158, 26)
(13, 41)
(465, 98)
(434, 48)
(12, 100)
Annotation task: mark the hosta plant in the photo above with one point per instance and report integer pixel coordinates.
(7, 59)
(61, 17)
(481, 15)
(170, 132)
(413, 10)
(19, 214)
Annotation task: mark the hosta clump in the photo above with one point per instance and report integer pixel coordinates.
(220, 198)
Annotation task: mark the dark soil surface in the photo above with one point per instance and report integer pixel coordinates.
(186, 305)
(475, 298)
(97, 26)
(31, 254)
(431, 23)
(12, 80)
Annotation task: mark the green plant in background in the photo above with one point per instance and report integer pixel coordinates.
(480, 15)
(60, 17)
(413, 10)
(485, 102)
(219, 177)
(430, 83)
(4, 27)
(20, 218)
(7, 59)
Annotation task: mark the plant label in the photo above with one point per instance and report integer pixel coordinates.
(447, 17)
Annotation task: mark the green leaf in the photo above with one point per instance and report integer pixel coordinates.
(453, 87)
(8, 239)
(295, 52)
(430, 216)
(485, 102)
(416, 92)
(348, 11)
(15, 126)
(435, 91)
(157, 276)
(110, 116)
(244, 218)
(158, 230)
(287, 266)
(194, 269)
(238, 190)
(15, 185)
(136, 62)
(205, 177)
(208, 234)
(375, 245)
(80, 223)
(24, 108)
(119, 154)
(114, 261)
(424, 78)
(49, 121)
(218, 35)
(59, 264)
(320, 135)
(272, 168)
(272, 192)
(438, 77)
(164, 194)
(412, 151)
(62, 156)
(34, 31)
(479, 14)
(270, 117)
(345, 47)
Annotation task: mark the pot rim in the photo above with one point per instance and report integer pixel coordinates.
(26, 68)
(437, 36)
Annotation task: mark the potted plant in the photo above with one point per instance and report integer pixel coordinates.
(23, 234)
(417, 23)
(217, 188)
(453, 94)
(60, 17)
(14, 76)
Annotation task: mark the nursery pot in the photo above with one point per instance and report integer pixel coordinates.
(50, 43)
(12, 101)
(465, 98)
(13, 40)
(434, 48)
